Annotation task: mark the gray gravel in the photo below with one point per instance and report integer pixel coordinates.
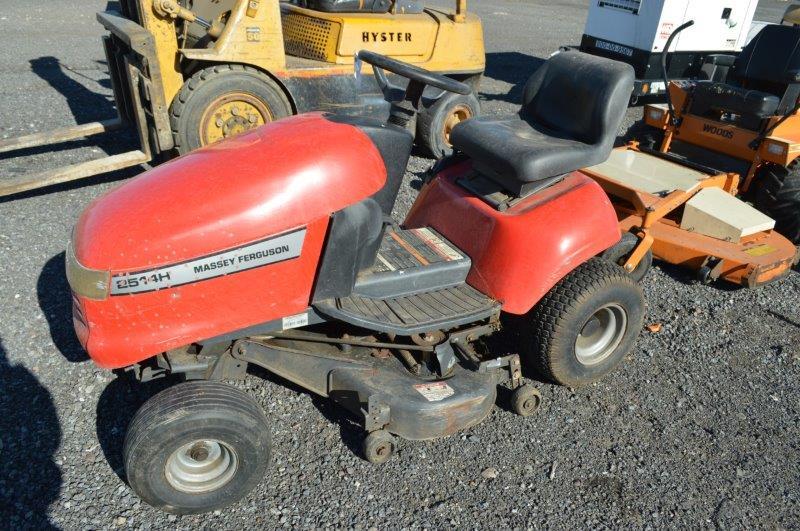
(699, 428)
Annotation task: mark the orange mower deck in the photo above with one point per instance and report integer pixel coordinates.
(650, 194)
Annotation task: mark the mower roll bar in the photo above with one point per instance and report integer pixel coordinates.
(664, 75)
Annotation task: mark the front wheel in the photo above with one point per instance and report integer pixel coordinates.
(196, 447)
(585, 326)
(435, 123)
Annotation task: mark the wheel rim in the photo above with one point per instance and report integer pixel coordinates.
(231, 115)
(457, 115)
(201, 466)
(383, 450)
(601, 334)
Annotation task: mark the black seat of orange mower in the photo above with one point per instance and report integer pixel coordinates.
(572, 108)
(759, 78)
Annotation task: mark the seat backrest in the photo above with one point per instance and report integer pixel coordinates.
(771, 58)
(579, 96)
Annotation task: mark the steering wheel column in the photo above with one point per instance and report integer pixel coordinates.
(403, 111)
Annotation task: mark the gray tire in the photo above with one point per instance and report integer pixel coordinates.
(196, 447)
(585, 326)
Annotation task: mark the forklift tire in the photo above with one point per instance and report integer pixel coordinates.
(222, 101)
(777, 194)
(619, 253)
(585, 326)
(435, 123)
(196, 447)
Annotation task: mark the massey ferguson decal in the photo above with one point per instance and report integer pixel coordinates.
(269, 251)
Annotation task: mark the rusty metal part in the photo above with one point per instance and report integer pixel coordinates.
(430, 338)
(409, 361)
(302, 336)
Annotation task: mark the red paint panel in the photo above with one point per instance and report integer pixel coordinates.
(520, 254)
(289, 174)
(127, 329)
(277, 177)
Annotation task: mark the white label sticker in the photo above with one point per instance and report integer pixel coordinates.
(269, 251)
(435, 391)
(295, 321)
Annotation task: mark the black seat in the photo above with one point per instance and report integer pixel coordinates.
(724, 97)
(572, 109)
(758, 82)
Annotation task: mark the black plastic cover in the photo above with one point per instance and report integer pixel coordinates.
(723, 97)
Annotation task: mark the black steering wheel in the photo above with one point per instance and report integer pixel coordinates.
(412, 73)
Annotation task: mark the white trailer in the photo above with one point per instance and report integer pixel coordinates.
(636, 31)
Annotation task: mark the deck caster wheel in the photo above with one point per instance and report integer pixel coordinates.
(525, 400)
(379, 446)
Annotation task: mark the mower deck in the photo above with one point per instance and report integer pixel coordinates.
(417, 284)
(665, 203)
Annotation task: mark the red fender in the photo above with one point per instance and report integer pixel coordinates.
(518, 255)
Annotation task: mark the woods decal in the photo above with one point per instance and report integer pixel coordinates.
(385, 36)
(714, 130)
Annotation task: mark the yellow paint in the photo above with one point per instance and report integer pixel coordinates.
(760, 250)
(166, 43)
(433, 39)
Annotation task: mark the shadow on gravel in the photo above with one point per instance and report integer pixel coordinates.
(351, 432)
(85, 105)
(55, 302)
(510, 67)
(688, 276)
(29, 436)
(117, 405)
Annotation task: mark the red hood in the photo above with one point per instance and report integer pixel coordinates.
(280, 176)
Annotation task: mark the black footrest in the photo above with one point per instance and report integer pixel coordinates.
(412, 261)
(413, 314)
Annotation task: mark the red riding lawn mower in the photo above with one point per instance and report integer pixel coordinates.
(276, 249)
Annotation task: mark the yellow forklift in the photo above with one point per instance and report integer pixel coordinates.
(188, 73)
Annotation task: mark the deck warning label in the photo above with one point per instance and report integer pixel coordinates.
(435, 391)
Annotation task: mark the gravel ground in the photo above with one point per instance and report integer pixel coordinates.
(699, 428)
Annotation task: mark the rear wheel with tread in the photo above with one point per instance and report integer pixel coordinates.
(585, 326)
(777, 194)
(222, 101)
(196, 447)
